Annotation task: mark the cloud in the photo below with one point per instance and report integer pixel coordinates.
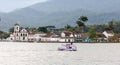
(9, 5)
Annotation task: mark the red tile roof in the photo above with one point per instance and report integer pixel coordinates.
(67, 34)
(84, 35)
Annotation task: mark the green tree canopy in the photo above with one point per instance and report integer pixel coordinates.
(42, 29)
(92, 33)
(11, 30)
(81, 22)
(111, 25)
(3, 35)
(67, 27)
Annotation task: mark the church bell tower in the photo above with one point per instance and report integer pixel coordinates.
(16, 28)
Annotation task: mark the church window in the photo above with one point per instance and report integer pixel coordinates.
(26, 34)
(17, 34)
(23, 34)
(23, 38)
(17, 28)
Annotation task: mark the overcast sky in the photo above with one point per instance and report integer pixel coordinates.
(10, 5)
(111, 5)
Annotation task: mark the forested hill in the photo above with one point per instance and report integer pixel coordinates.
(61, 13)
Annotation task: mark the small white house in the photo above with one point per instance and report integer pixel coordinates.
(38, 36)
(52, 37)
(11, 38)
(31, 38)
(35, 37)
(108, 33)
(67, 37)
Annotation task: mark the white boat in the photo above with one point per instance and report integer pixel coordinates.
(68, 47)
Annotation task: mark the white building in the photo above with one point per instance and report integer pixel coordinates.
(67, 37)
(51, 37)
(22, 35)
(108, 34)
(18, 34)
(36, 37)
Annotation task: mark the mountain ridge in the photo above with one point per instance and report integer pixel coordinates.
(43, 14)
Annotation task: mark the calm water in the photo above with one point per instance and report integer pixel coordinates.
(47, 54)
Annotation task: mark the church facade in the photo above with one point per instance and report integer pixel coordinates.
(20, 35)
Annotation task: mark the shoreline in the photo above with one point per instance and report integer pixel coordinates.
(55, 42)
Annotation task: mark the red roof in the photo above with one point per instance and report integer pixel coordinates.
(67, 34)
(84, 35)
(67, 37)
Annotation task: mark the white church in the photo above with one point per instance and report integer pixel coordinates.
(22, 35)
(18, 34)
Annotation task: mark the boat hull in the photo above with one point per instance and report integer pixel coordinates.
(64, 48)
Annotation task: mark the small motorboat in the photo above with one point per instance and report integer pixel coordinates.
(67, 47)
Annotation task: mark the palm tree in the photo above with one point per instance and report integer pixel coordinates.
(81, 22)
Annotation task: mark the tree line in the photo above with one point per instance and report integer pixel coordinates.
(81, 27)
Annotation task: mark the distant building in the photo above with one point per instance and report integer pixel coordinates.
(101, 37)
(67, 37)
(23, 35)
(35, 37)
(51, 37)
(18, 34)
(108, 33)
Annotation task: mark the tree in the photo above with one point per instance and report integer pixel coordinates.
(81, 22)
(3, 35)
(84, 18)
(111, 25)
(42, 29)
(72, 29)
(33, 30)
(117, 27)
(67, 27)
(92, 34)
(99, 28)
(50, 27)
(11, 30)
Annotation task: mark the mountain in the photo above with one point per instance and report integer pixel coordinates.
(60, 13)
(57, 6)
(68, 5)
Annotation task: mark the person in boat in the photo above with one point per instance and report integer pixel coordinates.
(69, 46)
(73, 46)
(71, 43)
